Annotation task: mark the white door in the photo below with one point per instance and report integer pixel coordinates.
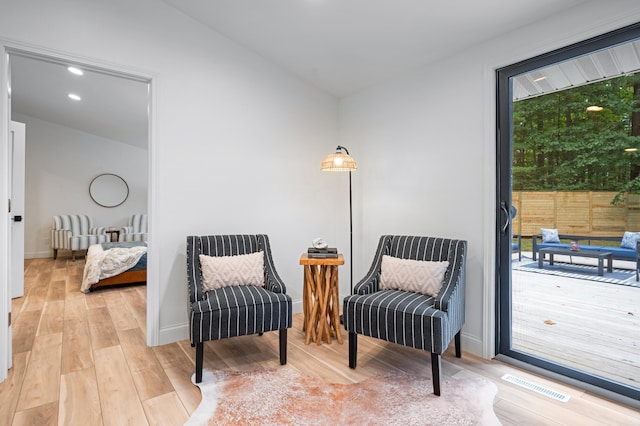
(16, 188)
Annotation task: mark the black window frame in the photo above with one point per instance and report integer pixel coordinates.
(504, 132)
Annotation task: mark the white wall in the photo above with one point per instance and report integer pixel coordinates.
(236, 142)
(425, 144)
(60, 164)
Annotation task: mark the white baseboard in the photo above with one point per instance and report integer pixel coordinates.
(181, 331)
(471, 344)
(173, 333)
(178, 332)
(296, 307)
(38, 254)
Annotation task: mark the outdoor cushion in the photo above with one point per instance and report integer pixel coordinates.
(549, 235)
(616, 251)
(630, 240)
(554, 245)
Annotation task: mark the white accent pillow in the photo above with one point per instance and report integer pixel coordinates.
(629, 240)
(226, 271)
(549, 235)
(418, 276)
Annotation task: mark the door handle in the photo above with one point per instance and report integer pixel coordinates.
(17, 218)
(503, 206)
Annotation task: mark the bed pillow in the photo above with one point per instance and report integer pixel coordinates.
(549, 235)
(412, 275)
(226, 271)
(630, 240)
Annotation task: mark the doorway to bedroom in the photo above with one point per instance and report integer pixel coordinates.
(568, 164)
(82, 122)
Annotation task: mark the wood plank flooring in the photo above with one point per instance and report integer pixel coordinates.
(81, 359)
(587, 325)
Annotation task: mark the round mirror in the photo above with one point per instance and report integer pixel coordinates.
(108, 190)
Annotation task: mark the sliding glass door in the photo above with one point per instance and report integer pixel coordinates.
(568, 137)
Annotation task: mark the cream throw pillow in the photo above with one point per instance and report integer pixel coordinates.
(226, 271)
(418, 276)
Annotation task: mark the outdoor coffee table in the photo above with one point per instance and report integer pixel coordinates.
(600, 255)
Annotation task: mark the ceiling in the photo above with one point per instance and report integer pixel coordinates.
(112, 107)
(343, 46)
(339, 46)
(602, 65)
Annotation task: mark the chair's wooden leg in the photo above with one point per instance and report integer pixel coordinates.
(353, 349)
(199, 359)
(435, 372)
(55, 255)
(458, 346)
(283, 346)
(260, 334)
(73, 255)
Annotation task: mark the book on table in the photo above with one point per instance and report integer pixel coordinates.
(328, 252)
(322, 250)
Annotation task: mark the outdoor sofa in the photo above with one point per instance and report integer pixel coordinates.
(593, 243)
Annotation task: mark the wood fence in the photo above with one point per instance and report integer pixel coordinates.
(575, 213)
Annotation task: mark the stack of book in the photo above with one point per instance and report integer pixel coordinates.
(322, 253)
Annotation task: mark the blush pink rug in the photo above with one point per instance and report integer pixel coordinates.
(284, 396)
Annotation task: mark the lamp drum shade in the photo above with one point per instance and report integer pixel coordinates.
(338, 162)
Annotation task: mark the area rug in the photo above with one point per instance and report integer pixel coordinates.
(582, 272)
(284, 396)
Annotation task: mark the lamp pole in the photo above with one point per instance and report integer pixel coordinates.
(340, 147)
(350, 233)
(342, 161)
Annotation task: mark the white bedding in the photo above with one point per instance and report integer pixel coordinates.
(103, 264)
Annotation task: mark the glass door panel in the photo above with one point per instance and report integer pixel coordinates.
(568, 162)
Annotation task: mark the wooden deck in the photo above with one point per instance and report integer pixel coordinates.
(587, 325)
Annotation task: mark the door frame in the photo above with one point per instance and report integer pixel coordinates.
(504, 133)
(153, 273)
(17, 177)
(5, 223)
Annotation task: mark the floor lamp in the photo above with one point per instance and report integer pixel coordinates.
(341, 161)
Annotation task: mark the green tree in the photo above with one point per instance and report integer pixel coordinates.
(559, 145)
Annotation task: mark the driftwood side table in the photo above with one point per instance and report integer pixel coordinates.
(320, 299)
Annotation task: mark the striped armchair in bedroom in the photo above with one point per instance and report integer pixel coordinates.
(234, 290)
(393, 303)
(136, 230)
(75, 232)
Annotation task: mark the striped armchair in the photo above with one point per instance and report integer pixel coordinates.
(136, 230)
(75, 232)
(235, 310)
(406, 318)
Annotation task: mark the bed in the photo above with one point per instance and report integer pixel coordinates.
(114, 264)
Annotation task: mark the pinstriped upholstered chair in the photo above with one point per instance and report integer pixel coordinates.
(75, 232)
(231, 309)
(410, 318)
(136, 230)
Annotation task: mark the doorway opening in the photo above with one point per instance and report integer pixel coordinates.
(564, 168)
(70, 142)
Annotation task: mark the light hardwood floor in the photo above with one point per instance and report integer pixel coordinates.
(82, 360)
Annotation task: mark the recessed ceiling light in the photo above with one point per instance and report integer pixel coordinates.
(594, 108)
(630, 149)
(74, 97)
(76, 71)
